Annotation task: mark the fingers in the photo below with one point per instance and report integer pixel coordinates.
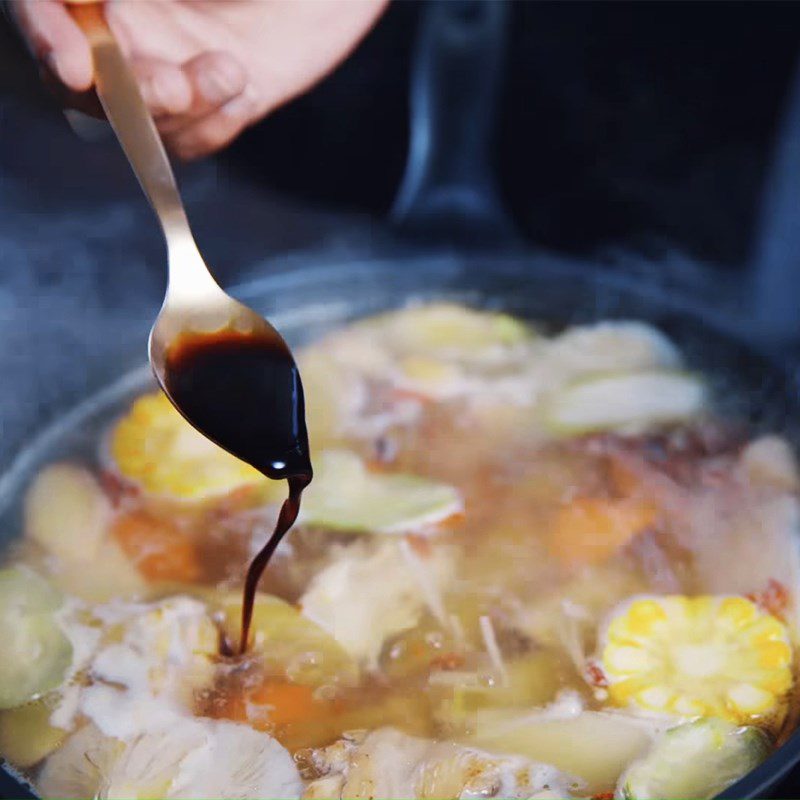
(216, 130)
(215, 79)
(165, 87)
(56, 39)
(221, 105)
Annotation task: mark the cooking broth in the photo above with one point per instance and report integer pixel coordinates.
(528, 566)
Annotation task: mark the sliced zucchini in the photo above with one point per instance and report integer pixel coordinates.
(26, 735)
(695, 761)
(290, 641)
(346, 496)
(36, 653)
(631, 400)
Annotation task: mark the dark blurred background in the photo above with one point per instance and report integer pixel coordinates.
(647, 125)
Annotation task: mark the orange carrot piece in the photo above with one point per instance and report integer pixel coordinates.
(288, 702)
(590, 529)
(160, 551)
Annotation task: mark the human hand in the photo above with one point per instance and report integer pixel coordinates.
(207, 68)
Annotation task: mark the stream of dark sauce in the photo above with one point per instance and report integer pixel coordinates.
(243, 391)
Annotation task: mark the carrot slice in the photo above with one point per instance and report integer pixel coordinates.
(275, 703)
(590, 529)
(160, 551)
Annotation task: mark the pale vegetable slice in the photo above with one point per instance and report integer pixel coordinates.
(694, 761)
(611, 347)
(109, 575)
(290, 640)
(346, 496)
(635, 400)
(447, 329)
(333, 396)
(26, 734)
(595, 747)
(66, 512)
(36, 653)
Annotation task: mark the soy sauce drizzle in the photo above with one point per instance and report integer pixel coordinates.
(243, 391)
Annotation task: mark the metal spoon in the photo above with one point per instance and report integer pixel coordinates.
(194, 303)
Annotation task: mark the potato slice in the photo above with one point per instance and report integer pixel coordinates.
(624, 401)
(611, 347)
(447, 329)
(66, 512)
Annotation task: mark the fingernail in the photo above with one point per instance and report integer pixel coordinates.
(217, 84)
(240, 106)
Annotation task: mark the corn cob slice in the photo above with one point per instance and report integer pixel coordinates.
(154, 447)
(709, 656)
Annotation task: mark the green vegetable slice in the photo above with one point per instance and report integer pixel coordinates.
(26, 735)
(36, 653)
(346, 496)
(694, 761)
(447, 329)
(604, 402)
(290, 642)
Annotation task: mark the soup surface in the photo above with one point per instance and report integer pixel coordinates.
(528, 566)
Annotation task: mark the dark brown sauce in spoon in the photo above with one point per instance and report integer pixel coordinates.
(243, 391)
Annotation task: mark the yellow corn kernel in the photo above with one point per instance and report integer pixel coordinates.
(700, 656)
(154, 447)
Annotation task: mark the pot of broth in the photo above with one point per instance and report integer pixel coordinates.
(550, 548)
